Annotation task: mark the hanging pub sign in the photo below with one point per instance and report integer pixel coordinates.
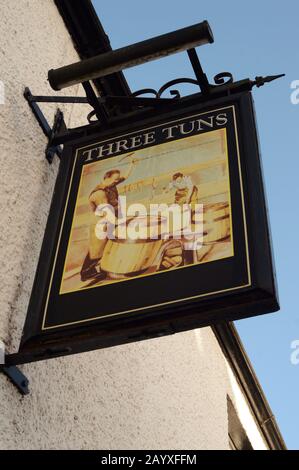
(155, 227)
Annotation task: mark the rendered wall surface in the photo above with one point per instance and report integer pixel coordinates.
(163, 393)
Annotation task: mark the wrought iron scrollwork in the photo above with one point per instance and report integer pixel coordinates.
(175, 93)
(177, 81)
(145, 91)
(223, 78)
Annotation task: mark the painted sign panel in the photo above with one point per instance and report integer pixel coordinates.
(153, 230)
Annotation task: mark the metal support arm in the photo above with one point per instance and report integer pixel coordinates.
(49, 132)
(17, 378)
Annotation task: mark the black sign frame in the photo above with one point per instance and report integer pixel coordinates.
(254, 292)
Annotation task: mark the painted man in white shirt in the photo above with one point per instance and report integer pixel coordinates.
(185, 191)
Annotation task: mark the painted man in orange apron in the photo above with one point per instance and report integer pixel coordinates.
(104, 193)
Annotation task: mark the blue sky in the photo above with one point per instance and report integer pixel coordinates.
(251, 38)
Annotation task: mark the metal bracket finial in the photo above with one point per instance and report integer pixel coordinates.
(260, 81)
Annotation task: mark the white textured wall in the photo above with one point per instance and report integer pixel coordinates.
(163, 393)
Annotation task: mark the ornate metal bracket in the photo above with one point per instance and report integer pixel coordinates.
(108, 109)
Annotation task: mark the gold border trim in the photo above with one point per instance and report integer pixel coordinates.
(172, 301)
(115, 281)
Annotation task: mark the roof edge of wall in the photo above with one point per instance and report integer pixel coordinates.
(90, 39)
(236, 355)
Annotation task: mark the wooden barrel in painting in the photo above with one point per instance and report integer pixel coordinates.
(216, 222)
(126, 257)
